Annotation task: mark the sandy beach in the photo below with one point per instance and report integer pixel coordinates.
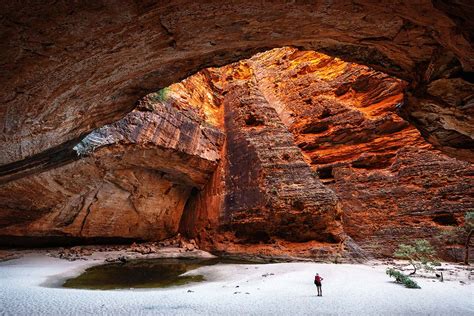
(28, 287)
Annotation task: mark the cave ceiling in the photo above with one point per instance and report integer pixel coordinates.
(67, 67)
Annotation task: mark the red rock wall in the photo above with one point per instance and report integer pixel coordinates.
(131, 180)
(271, 190)
(263, 189)
(82, 200)
(316, 160)
(345, 120)
(391, 183)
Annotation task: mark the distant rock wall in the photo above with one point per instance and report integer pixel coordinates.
(346, 122)
(271, 190)
(392, 184)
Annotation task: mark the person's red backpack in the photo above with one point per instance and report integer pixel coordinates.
(317, 279)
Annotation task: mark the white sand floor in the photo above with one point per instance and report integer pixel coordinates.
(232, 289)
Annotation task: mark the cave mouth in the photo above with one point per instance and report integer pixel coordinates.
(231, 147)
(447, 219)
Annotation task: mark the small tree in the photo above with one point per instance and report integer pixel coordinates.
(461, 234)
(401, 278)
(420, 254)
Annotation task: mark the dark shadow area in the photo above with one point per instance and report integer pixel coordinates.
(325, 173)
(252, 120)
(189, 216)
(8, 242)
(46, 160)
(445, 219)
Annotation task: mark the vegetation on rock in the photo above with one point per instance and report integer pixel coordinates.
(159, 96)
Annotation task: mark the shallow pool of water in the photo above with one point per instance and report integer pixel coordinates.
(144, 273)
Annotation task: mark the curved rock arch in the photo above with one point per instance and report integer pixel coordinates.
(68, 68)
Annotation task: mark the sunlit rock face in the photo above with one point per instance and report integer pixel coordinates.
(346, 125)
(391, 183)
(288, 152)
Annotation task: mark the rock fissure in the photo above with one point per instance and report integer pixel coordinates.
(88, 211)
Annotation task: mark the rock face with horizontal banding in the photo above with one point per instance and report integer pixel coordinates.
(271, 190)
(289, 152)
(131, 179)
(391, 183)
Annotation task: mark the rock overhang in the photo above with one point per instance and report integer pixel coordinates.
(74, 68)
(405, 48)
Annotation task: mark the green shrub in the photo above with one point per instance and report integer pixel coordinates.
(401, 278)
(159, 96)
(409, 283)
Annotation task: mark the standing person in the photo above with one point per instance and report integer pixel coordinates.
(317, 281)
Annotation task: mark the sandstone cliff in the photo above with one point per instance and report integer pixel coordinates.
(346, 124)
(130, 179)
(391, 183)
(288, 152)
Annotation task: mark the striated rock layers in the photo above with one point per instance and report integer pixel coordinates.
(391, 184)
(288, 152)
(131, 179)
